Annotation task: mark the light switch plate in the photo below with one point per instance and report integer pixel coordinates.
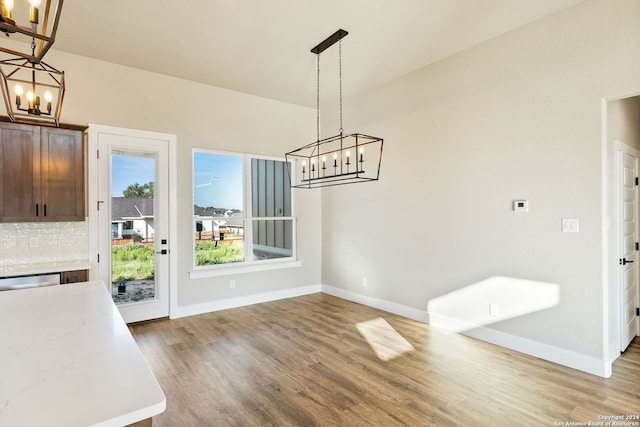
(570, 225)
(521, 206)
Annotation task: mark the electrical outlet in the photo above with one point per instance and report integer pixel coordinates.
(364, 282)
(232, 284)
(494, 310)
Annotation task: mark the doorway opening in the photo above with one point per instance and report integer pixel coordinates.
(621, 139)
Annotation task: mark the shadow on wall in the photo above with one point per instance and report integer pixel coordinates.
(490, 301)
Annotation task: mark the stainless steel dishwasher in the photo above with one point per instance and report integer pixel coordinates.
(22, 282)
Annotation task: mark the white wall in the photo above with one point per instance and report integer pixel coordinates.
(517, 117)
(201, 117)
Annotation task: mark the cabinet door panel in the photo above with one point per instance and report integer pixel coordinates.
(73, 276)
(19, 172)
(62, 174)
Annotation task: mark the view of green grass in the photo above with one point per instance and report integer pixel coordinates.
(132, 262)
(136, 262)
(207, 253)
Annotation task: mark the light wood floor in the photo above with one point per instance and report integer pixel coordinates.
(302, 362)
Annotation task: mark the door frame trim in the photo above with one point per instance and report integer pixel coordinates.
(93, 197)
(615, 289)
(621, 148)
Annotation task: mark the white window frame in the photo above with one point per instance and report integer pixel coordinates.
(248, 265)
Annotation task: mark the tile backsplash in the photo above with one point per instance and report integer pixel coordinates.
(42, 242)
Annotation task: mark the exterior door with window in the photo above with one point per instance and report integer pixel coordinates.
(133, 220)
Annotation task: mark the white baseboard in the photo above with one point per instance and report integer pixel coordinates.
(571, 359)
(561, 356)
(391, 307)
(614, 351)
(207, 307)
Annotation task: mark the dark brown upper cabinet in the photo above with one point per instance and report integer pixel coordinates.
(42, 173)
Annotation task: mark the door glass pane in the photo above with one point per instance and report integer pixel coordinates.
(132, 226)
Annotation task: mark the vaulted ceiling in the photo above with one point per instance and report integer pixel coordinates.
(262, 47)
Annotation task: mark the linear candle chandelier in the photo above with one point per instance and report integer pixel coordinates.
(24, 23)
(340, 159)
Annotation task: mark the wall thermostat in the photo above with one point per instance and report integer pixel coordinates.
(521, 206)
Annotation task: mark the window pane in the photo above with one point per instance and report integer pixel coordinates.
(217, 184)
(218, 208)
(218, 240)
(271, 192)
(272, 239)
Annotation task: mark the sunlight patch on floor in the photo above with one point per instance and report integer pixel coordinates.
(385, 341)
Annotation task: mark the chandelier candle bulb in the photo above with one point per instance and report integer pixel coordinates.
(7, 8)
(48, 97)
(33, 11)
(30, 100)
(19, 93)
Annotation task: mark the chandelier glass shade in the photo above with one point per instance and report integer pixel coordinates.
(337, 160)
(32, 92)
(30, 22)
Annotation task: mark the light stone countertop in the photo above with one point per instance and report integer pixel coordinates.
(9, 270)
(68, 359)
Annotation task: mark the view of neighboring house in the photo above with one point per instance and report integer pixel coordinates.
(132, 218)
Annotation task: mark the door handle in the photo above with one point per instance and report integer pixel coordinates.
(162, 252)
(625, 261)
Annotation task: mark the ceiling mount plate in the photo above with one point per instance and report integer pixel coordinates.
(329, 41)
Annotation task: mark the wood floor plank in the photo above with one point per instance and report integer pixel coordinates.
(303, 362)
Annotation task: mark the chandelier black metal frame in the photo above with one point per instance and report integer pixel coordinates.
(24, 104)
(40, 28)
(340, 159)
(33, 91)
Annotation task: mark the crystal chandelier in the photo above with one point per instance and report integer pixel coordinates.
(340, 159)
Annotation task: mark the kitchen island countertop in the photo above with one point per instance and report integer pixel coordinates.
(68, 359)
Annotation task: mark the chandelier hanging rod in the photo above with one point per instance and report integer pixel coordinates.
(329, 41)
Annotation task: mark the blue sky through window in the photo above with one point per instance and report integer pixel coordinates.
(129, 169)
(217, 181)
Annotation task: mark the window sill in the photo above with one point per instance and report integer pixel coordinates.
(227, 270)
